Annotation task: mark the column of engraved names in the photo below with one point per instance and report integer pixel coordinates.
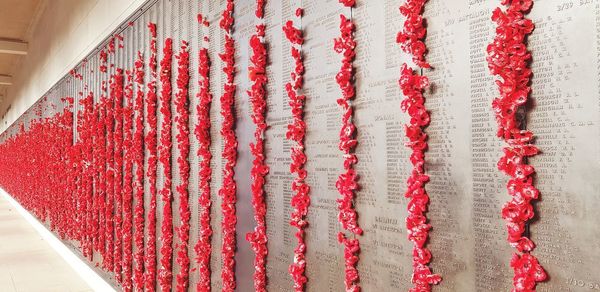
(277, 149)
(564, 117)
(244, 28)
(324, 162)
(548, 121)
(491, 252)
(383, 159)
(449, 175)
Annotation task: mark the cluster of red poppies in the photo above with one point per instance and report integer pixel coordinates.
(347, 183)
(508, 58)
(92, 189)
(257, 72)
(41, 154)
(101, 182)
(413, 86)
(229, 154)
(103, 61)
(414, 31)
(348, 3)
(203, 246)
(151, 147)
(296, 132)
(165, 275)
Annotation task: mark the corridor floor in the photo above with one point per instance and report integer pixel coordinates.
(27, 262)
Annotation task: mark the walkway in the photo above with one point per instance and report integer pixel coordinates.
(27, 262)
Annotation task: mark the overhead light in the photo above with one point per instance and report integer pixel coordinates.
(13, 47)
(5, 80)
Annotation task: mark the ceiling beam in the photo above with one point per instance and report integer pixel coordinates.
(5, 80)
(13, 47)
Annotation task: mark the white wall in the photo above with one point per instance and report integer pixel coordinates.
(66, 32)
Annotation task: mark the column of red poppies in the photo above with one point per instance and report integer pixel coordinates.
(103, 170)
(28, 159)
(69, 171)
(43, 199)
(110, 161)
(73, 173)
(138, 152)
(50, 125)
(413, 86)
(203, 247)
(65, 190)
(53, 183)
(81, 166)
(79, 153)
(229, 154)
(108, 103)
(129, 157)
(296, 132)
(70, 168)
(108, 257)
(58, 183)
(42, 130)
(69, 206)
(39, 198)
(90, 173)
(96, 188)
(55, 179)
(28, 196)
(165, 276)
(100, 147)
(95, 177)
(508, 59)
(183, 145)
(151, 148)
(78, 175)
(88, 142)
(257, 71)
(62, 190)
(347, 183)
(108, 260)
(39, 130)
(78, 163)
(118, 174)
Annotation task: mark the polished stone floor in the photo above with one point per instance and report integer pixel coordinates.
(27, 262)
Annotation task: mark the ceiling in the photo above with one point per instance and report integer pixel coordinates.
(17, 19)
